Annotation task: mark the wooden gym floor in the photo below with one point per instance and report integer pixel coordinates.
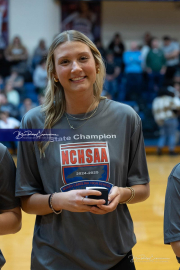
(149, 253)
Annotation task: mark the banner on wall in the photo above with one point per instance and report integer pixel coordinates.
(3, 23)
(83, 16)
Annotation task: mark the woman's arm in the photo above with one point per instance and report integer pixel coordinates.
(10, 221)
(120, 195)
(142, 192)
(73, 201)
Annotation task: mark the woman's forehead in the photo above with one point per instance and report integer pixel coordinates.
(69, 47)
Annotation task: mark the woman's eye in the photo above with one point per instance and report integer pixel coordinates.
(83, 58)
(64, 62)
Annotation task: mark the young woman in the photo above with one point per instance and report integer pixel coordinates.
(100, 144)
(10, 213)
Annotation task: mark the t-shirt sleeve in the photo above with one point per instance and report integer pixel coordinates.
(7, 183)
(138, 171)
(28, 180)
(172, 209)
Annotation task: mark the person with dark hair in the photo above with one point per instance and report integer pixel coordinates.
(165, 107)
(40, 53)
(171, 52)
(112, 72)
(117, 47)
(10, 212)
(156, 66)
(101, 145)
(16, 52)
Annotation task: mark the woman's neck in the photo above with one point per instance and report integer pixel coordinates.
(79, 104)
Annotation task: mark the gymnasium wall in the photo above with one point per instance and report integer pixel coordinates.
(36, 19)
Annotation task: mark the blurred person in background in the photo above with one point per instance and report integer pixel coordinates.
(7, 122)
(41, 99)
(13, 96)
(8, 106)
(165, 110)
(26, 106)
(40, 77)
(16, 52)
(112, 72)
(118, 48)
(40, 53)
(171, 52)
(82, 20)
(100, 47)
(132, 60)
(145, 48)
(156, 66)
(16, 79)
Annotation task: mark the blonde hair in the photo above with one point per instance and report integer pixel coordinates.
(55, 103)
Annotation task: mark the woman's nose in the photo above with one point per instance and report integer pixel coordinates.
(75, 67)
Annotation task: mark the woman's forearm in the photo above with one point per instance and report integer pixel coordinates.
(36, 204)
(142, 192)
(10, 221)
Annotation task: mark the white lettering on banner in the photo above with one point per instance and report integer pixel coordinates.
(94, 137)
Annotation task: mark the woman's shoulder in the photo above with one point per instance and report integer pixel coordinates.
(121, 108)
(176, 171)
(34, 118)
(123, 112)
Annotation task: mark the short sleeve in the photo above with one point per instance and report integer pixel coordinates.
(28, 180)
(7, 181)
(172, 209)
(137, 171)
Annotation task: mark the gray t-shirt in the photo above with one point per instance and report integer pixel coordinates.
(172, 209)
(7, 185)
(108, 148)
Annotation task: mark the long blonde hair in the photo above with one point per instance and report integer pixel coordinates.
(55, 103)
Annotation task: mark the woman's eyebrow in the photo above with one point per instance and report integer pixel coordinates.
(67, 55)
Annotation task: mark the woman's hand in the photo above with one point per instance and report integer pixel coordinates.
(113, 199)
(76, 201)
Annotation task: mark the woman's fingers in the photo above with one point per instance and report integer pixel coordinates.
(88, 201)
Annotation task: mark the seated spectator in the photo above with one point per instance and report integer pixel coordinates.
(7, 122)
(40, 53)
(112, 72)
(117, 47)
(7, 106)
(171, 52)
(12, 95)
(27, 105)
(16, 80)
(165, 110)
(16, 53)
(133, 70)
(40, 77)
(156, 66)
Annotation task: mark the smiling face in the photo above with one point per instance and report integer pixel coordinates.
(75, 67)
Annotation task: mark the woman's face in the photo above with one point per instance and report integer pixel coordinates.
(75, 67)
